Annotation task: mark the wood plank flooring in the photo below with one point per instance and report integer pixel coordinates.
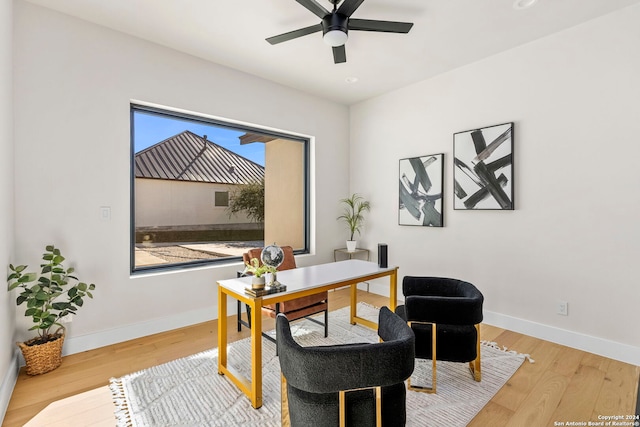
(563, 385)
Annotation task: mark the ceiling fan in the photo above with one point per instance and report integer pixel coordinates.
(335, 26)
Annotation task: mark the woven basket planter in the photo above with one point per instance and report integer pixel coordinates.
(42, 358)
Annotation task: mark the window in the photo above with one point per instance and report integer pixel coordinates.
(259, 180)
(222, 198)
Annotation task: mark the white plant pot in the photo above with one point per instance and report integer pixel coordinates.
(257, 283)
(351, 245)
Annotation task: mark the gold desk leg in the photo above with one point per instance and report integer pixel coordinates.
(474, 365)
(256, 353)
(393, 290)
(222, 330)
(354, 301)
(434, 369)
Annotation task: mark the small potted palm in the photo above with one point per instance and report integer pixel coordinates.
(55, 294)
(353, 216)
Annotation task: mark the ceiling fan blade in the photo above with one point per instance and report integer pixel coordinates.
(381, 26)
(349, 6)
(314, 8)
(339, 54)
(294, 34)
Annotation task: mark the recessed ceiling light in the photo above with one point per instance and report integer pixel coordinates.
(523, 4)
(351, 79)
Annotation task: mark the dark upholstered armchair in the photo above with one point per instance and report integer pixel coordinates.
(360, 384)
(445, 315)
(294, 309)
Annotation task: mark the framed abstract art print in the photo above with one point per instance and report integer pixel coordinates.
(421, 181)
(483, 168)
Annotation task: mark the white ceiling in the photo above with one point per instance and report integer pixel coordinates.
(447, 34)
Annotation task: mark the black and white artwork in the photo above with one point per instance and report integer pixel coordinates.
(483, 168)
(421, 190)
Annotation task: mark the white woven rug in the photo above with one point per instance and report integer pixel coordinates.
(189, 391)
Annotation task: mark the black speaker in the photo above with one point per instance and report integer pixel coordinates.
(382, 255)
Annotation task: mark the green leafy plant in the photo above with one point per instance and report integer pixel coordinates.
(250, 199)
(254, 267)
(55, 294)
(353, 216)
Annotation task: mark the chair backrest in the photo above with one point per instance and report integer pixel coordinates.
(321, 380)
(326, 369)
(442, 300)
(288, 263)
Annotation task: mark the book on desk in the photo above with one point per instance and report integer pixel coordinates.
(268, 290)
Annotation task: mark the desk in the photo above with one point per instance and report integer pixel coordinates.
(300, 282)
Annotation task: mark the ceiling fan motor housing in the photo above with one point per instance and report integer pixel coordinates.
(335, 22)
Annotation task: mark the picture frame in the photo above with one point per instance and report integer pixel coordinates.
(483, 168)
(421, 188)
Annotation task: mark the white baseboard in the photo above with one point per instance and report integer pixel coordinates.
(81, 343)
(603, 347)
(8, 384)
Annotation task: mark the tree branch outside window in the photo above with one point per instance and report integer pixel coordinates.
(250, 199)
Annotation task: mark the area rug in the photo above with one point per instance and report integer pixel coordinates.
(189, 391)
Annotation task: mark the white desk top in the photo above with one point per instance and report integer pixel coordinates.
(312, 277)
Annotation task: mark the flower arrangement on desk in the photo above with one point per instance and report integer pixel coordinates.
(258, 271)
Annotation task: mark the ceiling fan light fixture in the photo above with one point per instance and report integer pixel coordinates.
(335, 38)
(335, 29)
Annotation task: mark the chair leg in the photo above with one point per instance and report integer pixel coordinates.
(434, 370)
(239, 316)
(474, 365)
(342, 402)
(277, 311)
(378, 404)
(326, 322)
(284, 402)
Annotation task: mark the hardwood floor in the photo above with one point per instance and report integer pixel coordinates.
(563, 385)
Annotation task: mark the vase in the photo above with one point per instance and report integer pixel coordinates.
(257, 283)
(42, 358)
(351, 245)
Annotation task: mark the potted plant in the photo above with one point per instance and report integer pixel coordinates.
(55, 295)
(353, 216)
(258, 271)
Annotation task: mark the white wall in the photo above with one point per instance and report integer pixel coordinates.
(73, 84)
(574, 235)
(164, 202)
(7, 311)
